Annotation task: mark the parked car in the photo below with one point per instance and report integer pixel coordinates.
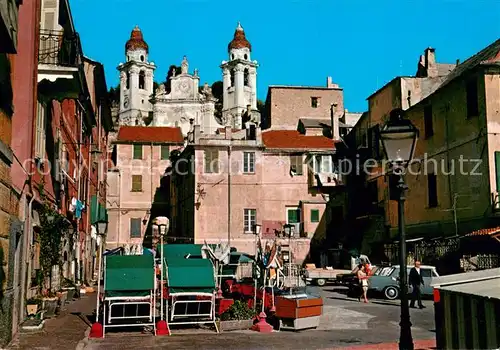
(386, 280)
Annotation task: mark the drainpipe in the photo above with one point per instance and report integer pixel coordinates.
(26, 259)
(229, 195)
(78, 183)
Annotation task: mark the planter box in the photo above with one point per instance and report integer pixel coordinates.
(63, 297)
(299, 312)
(49, 306)
(31, 309)
(70, 293)
(235, 325)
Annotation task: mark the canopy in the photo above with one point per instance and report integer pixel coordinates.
(190, 275)
(176, 251)
(129, 273)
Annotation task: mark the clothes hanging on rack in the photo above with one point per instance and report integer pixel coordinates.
(78, 209)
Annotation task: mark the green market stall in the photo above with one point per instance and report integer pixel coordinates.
(190, 281)
(129, 291)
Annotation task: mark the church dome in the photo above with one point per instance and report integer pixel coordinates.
(136, 41)
(239, 41)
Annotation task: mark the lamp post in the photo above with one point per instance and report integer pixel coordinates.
(399, 138)
(163, 224)
(102, 228)
(288, 232)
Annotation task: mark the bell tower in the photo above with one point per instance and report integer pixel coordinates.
(136, 81)
(239, 83)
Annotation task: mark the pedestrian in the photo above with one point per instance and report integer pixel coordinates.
(416, 281)
(363, 274)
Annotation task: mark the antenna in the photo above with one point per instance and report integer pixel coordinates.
(454, 209)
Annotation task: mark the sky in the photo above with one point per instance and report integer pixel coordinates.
(361, 44)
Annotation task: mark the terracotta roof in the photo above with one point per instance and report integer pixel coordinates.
(239, 40)
(155, 134)
(485, 232)
(292, 139)
(136, 41)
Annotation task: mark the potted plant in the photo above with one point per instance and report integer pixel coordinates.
(49, 303)
(69, 287)
(33, 305)
(238, 317)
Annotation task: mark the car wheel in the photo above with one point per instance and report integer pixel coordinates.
(391, 293)
(321, 282)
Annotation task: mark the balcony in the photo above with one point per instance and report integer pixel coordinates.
(60, 73)
(325, 180)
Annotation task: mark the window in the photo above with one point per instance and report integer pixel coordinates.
(142, 58)
(250, 220)
(292, 215)
(429, 130)
(232, 77)
(296, 165)
(211, 161)
(323, 164)
(135, 228)
(128, 81)
(142, 80)
(246, 77)
(472, 103)
(314, 102)
(432, 190)
(165, 152)
(314, 215)
(246, 56)
(425, 272)
(136, 183)
(41, 120)
(248, 162)
(137, 151)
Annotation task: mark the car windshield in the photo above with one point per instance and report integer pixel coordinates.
(385, 271)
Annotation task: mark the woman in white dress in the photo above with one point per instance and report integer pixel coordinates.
(363, 274)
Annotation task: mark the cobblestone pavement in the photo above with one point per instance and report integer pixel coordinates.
(62, 332)
(345, 323)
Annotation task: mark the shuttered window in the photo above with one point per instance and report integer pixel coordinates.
(211, 161)
(497, 169)
(165, 152)
(41, 117)
(136, 183)
(314, 215)
(135, 228)
(137, 152)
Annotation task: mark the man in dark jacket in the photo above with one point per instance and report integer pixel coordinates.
(415, 281)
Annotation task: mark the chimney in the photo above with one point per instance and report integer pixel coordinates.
(458, 61)
(430, 62)
(330, 84)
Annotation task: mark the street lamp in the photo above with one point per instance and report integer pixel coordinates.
(399, 138)
(163, 224)
(102, 229)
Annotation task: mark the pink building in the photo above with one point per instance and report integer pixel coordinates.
(225, 184)
(141, 158)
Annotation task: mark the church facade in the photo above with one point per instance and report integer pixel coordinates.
(187, 103)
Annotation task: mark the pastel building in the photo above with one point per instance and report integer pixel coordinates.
(141, 156)
(237, 179)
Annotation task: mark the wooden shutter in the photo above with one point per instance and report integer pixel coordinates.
(165, 152)
(136, 183)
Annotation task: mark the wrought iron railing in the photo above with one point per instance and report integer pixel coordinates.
(58, 48)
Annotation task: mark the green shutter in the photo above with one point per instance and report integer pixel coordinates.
(314, 215)
(497, 169)
(165, 152)
(94, 210)
(137, 151)
(293, 216)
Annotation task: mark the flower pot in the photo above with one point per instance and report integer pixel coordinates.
(235, 325)
(63, 297)
(31, 309)
(49, 306)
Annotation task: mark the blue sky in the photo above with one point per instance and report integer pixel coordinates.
(361, 44)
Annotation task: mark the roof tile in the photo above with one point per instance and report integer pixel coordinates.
(155, 134)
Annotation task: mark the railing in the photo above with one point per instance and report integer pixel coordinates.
(58, 48)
